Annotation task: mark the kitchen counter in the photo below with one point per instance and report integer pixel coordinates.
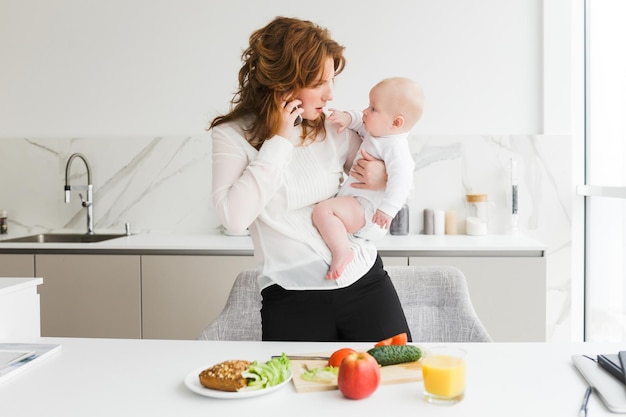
(220, 244)
(159, 273)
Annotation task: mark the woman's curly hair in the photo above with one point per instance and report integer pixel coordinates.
(282, 58)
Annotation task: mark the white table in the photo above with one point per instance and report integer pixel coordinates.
(110, 377)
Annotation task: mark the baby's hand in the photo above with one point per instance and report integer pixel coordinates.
(341, 118)
(382, 219)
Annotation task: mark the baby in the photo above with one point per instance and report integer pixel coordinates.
(396, 104)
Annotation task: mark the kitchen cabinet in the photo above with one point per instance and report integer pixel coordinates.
(19, 307)
(183, 294)
(508, 293)
(395, 260)
(17, 265)
(90, 295)
(128, 296)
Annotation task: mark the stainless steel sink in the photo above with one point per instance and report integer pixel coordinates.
(64, 238)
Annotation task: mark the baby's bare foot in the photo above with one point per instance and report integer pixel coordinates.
(339, 264)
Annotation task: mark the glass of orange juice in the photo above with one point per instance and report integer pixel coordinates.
(443, 368)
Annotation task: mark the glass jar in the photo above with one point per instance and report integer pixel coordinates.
(477, 214)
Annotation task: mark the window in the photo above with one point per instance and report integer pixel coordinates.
(605, 165)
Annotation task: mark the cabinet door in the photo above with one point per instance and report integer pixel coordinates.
(90, 295)
(17, 265)
(395, 260)
(183, 294)
(508, 294)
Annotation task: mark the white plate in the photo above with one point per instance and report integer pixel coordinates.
(193, 383)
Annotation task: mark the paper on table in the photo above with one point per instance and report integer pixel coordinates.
(24, 356)
(9, 357)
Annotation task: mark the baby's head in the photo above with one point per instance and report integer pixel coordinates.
(396, 104)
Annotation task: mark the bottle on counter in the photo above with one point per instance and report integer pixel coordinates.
(4, 223)
(451, 222)
(429, 222)
(400, 224)
(439, 222)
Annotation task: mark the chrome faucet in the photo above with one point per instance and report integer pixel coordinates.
(86, 202)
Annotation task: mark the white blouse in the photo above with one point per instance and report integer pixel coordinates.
(272, 192)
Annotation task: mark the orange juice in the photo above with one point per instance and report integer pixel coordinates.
(444, 377)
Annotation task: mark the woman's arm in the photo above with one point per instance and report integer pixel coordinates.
(243, 179)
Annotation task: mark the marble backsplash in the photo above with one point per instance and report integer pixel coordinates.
(163, 184)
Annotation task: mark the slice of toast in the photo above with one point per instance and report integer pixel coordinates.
(225, 376)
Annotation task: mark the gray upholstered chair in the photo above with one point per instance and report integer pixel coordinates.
(435, 299)
(240, 318)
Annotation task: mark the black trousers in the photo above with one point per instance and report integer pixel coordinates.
(368, 310)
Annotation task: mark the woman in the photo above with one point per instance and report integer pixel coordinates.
(268, 174)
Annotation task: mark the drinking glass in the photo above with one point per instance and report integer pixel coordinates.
(443, 369)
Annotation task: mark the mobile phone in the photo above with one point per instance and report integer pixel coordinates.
(298, 119)
(611, 363)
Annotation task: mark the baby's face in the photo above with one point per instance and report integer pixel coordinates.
(377, 120)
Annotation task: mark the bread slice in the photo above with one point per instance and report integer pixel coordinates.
(225, 376)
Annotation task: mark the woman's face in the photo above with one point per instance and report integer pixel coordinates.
(314, 98)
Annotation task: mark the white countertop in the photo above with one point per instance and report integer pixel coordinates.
(8, 285)
(114, 377)
(220, 244)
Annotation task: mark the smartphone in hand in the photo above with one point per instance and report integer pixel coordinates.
(298, 119)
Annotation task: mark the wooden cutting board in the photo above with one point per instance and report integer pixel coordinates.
(392, 374)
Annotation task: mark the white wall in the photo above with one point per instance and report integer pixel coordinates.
(161, 67)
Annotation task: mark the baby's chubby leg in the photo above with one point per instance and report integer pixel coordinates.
(335, 218)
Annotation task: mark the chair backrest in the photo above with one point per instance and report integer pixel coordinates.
(241, 317)
(435, 300)
(437, 304)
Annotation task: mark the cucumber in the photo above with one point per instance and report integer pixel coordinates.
(395, 354)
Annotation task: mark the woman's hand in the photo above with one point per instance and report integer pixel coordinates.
(369, 172)
(291, 111)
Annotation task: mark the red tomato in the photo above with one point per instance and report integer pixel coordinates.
(399, 339)
(385, 342)
(338, 355)
(359, 375)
